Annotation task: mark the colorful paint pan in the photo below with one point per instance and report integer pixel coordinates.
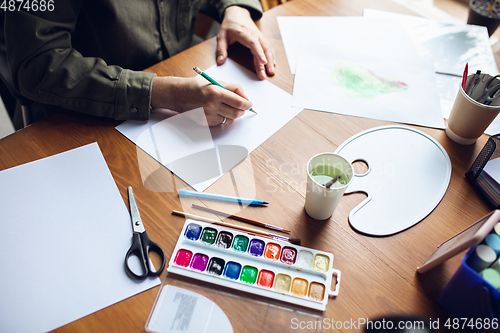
(254, 264)
(256, 247)
(183, 257)
(232, 270)
(288, 255)
(317, 291)
(321, 263)
(193, 231)
(305, 259)
(216, 266)
(272, 251)
(265, 278)
(199, 262)
(249, 274)
(208, 235)
(240, 243)
(282, 283)
(224, 240)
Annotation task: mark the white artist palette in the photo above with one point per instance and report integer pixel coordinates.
(254, 264)
(408, 174)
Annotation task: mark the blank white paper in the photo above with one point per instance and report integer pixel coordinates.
(200, 155)
(65, 233)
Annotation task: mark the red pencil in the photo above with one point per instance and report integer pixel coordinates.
(464, 77)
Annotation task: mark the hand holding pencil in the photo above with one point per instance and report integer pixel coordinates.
(221, 106)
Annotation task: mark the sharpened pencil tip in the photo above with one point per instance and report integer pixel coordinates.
(197, 70)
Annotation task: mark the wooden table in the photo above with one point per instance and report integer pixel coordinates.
(378, 273)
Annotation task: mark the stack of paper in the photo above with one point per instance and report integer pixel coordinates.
(382, 65)
(366, 67)
(449, 46)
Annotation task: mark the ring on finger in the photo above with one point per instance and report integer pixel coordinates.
(223, 120)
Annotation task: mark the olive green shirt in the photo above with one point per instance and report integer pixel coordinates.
(87, 55)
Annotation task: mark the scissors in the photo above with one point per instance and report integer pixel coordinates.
(141, 244)
(490, 92)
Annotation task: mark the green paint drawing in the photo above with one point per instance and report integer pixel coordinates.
(357, 81)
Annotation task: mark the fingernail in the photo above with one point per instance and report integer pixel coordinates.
(220, 58)
(264, 60)
(263, 73)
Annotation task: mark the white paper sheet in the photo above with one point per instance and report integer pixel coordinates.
(377, 83)
(200, 155)
(343, 32)
(65, 233)
(450, 46)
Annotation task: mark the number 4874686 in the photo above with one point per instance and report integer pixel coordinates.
(27, 5)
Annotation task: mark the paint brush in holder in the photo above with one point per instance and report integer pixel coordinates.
(332, 181)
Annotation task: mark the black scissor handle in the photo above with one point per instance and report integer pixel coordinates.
(136, 250)
(142, 245)
(149, 246)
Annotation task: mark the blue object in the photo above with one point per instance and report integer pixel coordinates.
(468, 295)
(232, 270)
(193, 232)
(493, 241)
(222, 197)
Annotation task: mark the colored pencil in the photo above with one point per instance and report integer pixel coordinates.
(206, 76)
(242, 219)
(237, 227)
(464, 77)
(493, 3)
(476, 79)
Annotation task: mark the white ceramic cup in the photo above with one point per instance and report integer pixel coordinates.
(320, 200)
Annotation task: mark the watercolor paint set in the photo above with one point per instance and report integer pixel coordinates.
(255, 264)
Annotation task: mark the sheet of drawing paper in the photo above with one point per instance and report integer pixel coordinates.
(343, 32)
(199, 154)
(65, 233)
(373, 83)
(449, 46)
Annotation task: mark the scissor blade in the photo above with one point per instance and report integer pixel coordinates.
(134, 212)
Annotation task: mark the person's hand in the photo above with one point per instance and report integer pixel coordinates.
(238, 26)
(185, 94)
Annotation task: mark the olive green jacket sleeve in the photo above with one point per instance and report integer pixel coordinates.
(47, 69)
(98, 71)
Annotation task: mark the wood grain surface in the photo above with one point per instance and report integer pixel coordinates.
(378, 273)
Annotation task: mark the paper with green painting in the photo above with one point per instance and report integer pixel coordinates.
(373, 83)
(360, 66)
